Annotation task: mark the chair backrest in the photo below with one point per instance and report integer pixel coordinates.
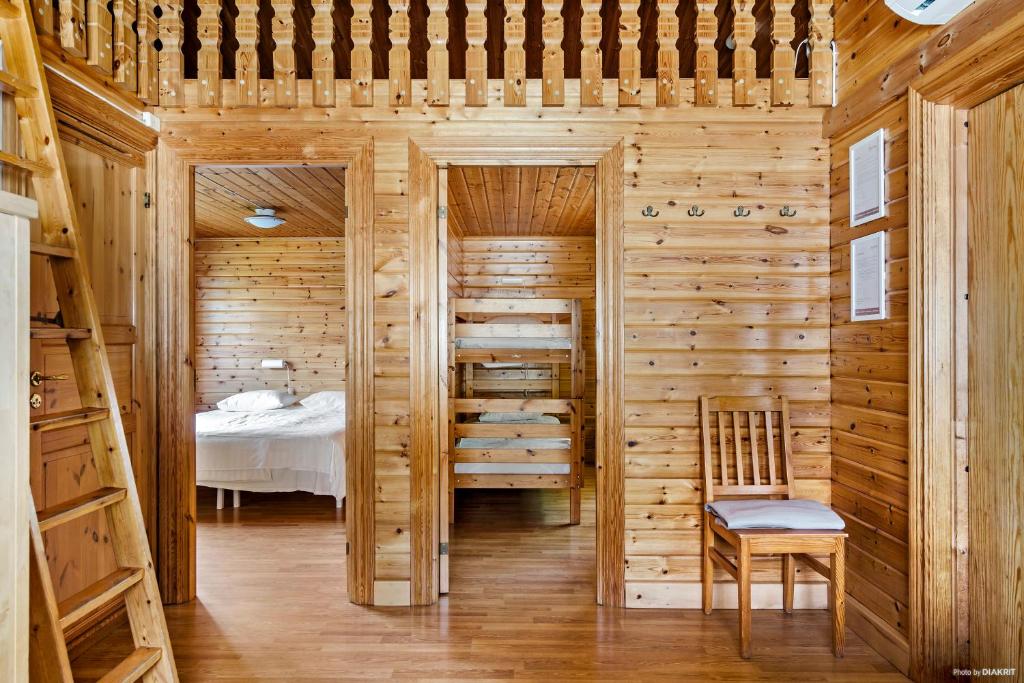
(746, 446)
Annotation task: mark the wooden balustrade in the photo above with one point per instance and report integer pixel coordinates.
(140, 43)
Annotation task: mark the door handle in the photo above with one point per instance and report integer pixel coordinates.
(37, 378)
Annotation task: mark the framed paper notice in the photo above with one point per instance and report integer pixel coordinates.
(867, 179)
(867, 277)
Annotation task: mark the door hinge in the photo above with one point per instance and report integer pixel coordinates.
(442, 212)
(147, 200)
(345, 212)
(348, 548)
(443, 549)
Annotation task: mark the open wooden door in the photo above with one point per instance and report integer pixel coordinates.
(446, 378)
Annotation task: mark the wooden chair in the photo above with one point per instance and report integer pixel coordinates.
(767, 473)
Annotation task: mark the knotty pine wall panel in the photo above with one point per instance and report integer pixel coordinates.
(870, 404)
(751, 290)
(553, 268)
(268, 298)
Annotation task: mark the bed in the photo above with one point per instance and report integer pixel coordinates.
(516, 432)
(296, 448)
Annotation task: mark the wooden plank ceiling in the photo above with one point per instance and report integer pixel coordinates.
(517, 201)
(311, 200)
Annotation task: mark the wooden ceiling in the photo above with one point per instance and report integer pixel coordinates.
(311, 199)
(520, 201)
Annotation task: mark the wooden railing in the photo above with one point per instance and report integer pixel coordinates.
(178, 53)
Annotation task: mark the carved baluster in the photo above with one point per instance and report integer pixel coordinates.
(362, 56)
(553, 91)
(72, 26)
(515, 53)
(323, 54)
(629, 53)
(247, 67)
(591, 75)
(744, 74)
(208, 88)
(126, 43)
(42, 11)
(148, 67)
(437, 54)
(172, 91)
(399, 70)
(476, 56)
(783, 57)
(285, 90)
(99, 35)
(668, 54)
(820, 39)
(705, 86)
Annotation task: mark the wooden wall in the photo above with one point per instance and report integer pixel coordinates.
(560, 268)
(268, 298)
(106, 157)
(869, 399)
(716, 304)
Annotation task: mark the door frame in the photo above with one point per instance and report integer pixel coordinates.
(426, 157)
(986, 60)
(179, 153)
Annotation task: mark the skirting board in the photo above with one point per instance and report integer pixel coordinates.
(880, 636)
(668, 595)
(391, 594)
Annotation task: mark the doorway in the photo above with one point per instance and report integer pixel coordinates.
(521, 277)
(429, 317)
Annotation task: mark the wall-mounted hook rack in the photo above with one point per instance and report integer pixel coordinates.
(787, 212)
(741, 212)
(650, 212)
(695, 211)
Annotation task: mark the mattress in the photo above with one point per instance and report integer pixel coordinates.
(292, 449)
(512, 467)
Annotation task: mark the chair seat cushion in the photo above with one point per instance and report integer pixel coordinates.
(760, 513)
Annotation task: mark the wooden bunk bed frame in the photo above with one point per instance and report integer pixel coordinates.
(555, 319)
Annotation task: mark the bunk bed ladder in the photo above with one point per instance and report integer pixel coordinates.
(78, 325)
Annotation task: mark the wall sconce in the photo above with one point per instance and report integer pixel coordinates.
(279, 364)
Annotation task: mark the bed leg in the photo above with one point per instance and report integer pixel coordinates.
(220, 499)
(339, 502)
(237, 502)
(574, 505)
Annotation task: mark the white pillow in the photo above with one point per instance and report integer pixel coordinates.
(519, 418)
(254, 401)
(325, 400)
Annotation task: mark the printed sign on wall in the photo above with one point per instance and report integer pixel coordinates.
(867, 179)
(867, 277)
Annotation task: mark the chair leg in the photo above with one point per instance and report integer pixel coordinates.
(788, 578)
(838, 592)
(743, 565)
(707, 574)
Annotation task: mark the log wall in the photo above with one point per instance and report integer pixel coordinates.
(268, 298)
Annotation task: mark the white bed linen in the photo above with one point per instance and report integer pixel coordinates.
(512, 467)
(291, 449)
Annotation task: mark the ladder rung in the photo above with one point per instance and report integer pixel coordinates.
(134, 666)
(51, 250)
(27, 164)
(69, 510)
(88, 600)
(12, 85)
(59, 333)
(67, 418)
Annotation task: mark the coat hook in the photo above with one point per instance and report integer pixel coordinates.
(695, 211)
(741, 212)
(787, 212)
(649, 212)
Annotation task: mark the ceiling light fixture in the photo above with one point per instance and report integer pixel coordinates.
(265, 219)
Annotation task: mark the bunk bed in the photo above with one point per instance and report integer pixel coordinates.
(520, 432)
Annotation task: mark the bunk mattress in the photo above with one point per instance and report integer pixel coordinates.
(497, 443)
(290, 449)
(509, 343)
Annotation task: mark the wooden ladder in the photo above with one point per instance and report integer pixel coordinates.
(134, 580)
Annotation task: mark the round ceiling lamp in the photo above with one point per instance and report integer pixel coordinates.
(265, 219)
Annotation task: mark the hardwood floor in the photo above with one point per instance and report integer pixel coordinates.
(272, 607)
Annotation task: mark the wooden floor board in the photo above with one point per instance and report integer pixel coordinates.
(272, 607)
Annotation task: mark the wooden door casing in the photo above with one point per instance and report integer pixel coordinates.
(996, 381)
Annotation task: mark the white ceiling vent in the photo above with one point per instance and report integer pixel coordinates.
(933, 12)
